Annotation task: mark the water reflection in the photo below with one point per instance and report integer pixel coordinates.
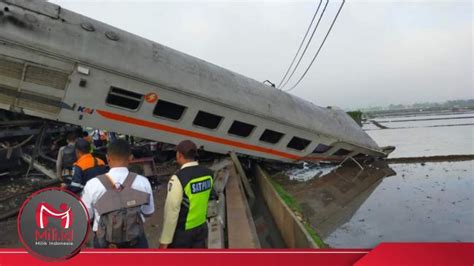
(350, 208)
(330, 200)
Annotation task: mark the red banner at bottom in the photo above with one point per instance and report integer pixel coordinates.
(384, 254)
(198, 257)
(452, 254)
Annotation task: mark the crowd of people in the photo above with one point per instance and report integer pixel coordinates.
(119, 201)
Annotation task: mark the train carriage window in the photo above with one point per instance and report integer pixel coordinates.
(241, 129)
(124, 98)
(169, 110)
(321, 148)
(271, 136)
(342, 152)
(298, 143)
(207, 120)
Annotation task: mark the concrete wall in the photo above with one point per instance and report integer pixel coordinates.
(241, 232)
(292, 230)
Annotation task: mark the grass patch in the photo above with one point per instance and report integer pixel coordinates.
(287, 198)
(357, 116)
(314, 235)
(296, 208)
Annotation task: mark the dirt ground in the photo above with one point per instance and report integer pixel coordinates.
(154, 224)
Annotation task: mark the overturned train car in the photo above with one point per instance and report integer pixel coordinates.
(60, 65)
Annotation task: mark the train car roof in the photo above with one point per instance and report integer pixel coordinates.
(140, 58)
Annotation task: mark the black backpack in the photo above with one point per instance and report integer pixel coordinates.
(120, 222)
(69, 156)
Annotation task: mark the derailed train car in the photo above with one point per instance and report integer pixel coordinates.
(60, 65)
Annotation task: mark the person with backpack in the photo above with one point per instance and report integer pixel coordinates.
(189, 191)
(86, 167)
(66, 158)
(119, 201)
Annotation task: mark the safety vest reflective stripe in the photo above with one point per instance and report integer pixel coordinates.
(197, 191)
(74, 184)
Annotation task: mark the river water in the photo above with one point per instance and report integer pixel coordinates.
(354, 208)
(434, 202)
(425, 135)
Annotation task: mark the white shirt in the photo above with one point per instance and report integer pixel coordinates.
(94, 189)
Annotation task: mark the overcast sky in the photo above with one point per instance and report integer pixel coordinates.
(379, 52)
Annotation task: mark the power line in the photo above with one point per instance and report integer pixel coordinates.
(301, 44)
(306, 47)
(319, 49)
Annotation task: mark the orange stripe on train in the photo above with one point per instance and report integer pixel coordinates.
(189, 133)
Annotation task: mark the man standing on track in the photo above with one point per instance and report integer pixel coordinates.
(185, 212)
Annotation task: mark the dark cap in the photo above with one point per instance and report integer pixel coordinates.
(187, 148)
(82, 145)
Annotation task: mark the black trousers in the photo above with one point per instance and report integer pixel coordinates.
(193, 238)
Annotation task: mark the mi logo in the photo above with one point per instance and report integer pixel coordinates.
(44, 211)
(53, 224)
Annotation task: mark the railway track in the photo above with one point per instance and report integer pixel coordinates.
(16, 193)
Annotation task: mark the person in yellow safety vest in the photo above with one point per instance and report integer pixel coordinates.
(189, 190)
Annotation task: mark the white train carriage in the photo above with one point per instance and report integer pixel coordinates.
(60, 65)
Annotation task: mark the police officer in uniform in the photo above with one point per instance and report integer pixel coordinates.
(185, 213)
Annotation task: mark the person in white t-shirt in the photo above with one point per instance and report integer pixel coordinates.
(118, 156)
